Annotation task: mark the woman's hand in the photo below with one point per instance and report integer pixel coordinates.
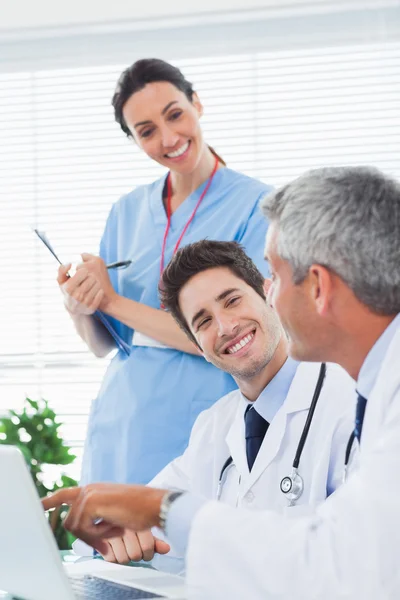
(134, 546)
(95, 270)
(82, 293)
(89, 289)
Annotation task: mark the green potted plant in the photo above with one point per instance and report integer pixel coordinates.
(34, 431)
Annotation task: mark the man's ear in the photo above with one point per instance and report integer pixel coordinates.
(267, 286)
(321, 284)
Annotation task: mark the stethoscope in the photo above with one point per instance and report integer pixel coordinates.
(292, 486)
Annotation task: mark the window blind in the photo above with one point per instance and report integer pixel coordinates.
(63, 161)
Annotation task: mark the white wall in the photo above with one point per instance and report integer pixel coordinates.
(44, 13)
(30, 14)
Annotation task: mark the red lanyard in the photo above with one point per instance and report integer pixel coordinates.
(169, 199)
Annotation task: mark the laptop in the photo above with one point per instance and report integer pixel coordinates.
(30, 563)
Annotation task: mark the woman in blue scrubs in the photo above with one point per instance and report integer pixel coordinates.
(157, 383)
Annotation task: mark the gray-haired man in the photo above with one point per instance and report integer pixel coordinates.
(334, 249)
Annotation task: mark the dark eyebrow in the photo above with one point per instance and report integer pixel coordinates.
(169, 106)
(164, 110)
(226, 293)
(197, 316)
(219, 298)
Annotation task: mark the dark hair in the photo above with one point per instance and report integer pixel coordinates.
(137, 76)
(201, 256)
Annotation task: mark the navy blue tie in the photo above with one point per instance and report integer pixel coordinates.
(360, 412)
(255, 429)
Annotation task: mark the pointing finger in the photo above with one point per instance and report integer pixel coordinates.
(64, 496)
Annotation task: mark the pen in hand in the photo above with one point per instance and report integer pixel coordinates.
(121, 264)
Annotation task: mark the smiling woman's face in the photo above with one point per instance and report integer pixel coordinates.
(231, 322)
(165, 124)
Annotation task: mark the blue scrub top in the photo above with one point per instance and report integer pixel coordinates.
(148, 402)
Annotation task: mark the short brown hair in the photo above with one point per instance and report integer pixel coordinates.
(201, 256)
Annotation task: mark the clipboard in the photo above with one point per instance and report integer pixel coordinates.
(101, 317)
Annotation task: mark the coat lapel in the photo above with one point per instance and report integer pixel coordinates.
(381, 395)
(298, 399)
(236, 440)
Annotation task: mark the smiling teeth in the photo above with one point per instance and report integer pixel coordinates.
(179, 152)
(240, 344)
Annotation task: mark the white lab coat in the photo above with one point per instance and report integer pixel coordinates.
(349, 549)
(219, 433)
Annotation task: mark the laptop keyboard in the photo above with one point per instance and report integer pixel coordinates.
(88, 587)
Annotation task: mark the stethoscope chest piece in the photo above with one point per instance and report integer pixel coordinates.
(292, 486)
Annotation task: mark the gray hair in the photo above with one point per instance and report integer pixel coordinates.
(347, 219)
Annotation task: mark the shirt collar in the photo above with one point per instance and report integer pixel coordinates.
(373, 362)
(274, 394)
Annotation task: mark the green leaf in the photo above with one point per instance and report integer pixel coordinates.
(32, 403)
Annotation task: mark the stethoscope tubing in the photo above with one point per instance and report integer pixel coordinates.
(307, 425)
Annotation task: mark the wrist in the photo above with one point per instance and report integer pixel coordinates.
(110, 304)
(167, 501)
(153, 501)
